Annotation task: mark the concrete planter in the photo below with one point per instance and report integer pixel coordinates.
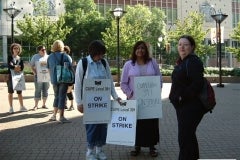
(29, 78)
(3, 77)
(114, 77)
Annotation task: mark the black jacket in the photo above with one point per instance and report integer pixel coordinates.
(187, 80)
(11, 64)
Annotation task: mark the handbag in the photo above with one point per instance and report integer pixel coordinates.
(65, 73)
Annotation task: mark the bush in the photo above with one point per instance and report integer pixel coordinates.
(114, 71)
(3, 70)
(27, 70)
(209, 71)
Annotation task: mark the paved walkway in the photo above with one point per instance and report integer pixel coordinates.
(29, 135)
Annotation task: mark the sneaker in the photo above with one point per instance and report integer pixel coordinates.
(23, 109)
(64, 120)
(71, 108)
(91, 156)
(101, 156)
(11, 111)
(53, 118)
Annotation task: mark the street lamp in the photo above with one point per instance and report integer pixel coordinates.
(12, 12)
(160, 39)
(118, 13)
(219, 18)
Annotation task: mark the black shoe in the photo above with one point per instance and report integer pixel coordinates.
(65, 107)
(153, 152)
(136, 151)
(44, 107)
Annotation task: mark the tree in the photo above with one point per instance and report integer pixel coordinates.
(41, 29)
(192, 25)
(236, 36)
(87, 24)
(139, 23)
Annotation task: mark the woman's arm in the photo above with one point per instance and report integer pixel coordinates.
(125, 86)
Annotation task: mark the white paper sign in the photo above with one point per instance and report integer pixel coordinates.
(122, 128)
(42, 71)
(147, 91)
(97, 101)
(18, 81)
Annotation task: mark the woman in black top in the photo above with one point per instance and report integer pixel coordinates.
(15, 64)
(187, 82)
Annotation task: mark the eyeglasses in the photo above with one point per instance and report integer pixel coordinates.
(15, 48)
(43, 49)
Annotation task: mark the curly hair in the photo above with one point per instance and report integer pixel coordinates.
(58, 46)
(16, 45)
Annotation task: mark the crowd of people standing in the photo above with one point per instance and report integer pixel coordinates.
(187, 81)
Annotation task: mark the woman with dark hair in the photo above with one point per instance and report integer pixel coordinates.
(187, 82)
(67, 50)
(15, 64)
(141, 64)
(96, 133)
(41, 88)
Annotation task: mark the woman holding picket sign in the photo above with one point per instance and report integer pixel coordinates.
(15, 66)
(94, 66)
(187, 82)
(141, 64)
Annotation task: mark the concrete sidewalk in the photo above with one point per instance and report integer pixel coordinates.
(29, 135)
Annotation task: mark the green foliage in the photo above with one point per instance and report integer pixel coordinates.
(236, 36)
(87, 24)
(208, 71)
(27, 70)
(114, 71)
(3, 70)
(42, 30)
(192, 25)
(236, 71)
(139, 23)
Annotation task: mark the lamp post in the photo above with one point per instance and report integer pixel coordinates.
(219, 18)
(160, 39)
(212, 11)
(12, 12)
(118, 13)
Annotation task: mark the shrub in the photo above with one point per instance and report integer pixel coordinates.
(209, 71)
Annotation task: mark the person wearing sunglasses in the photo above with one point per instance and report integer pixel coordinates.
(41, 87)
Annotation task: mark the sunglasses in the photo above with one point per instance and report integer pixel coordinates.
(43, 49)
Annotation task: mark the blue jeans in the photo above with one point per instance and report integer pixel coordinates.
(40, 88)
(96, 135)
(60, 93)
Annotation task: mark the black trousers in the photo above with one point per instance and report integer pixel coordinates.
(189, 116)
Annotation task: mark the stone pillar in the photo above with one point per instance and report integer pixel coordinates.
(5, 48)
(230, 59)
